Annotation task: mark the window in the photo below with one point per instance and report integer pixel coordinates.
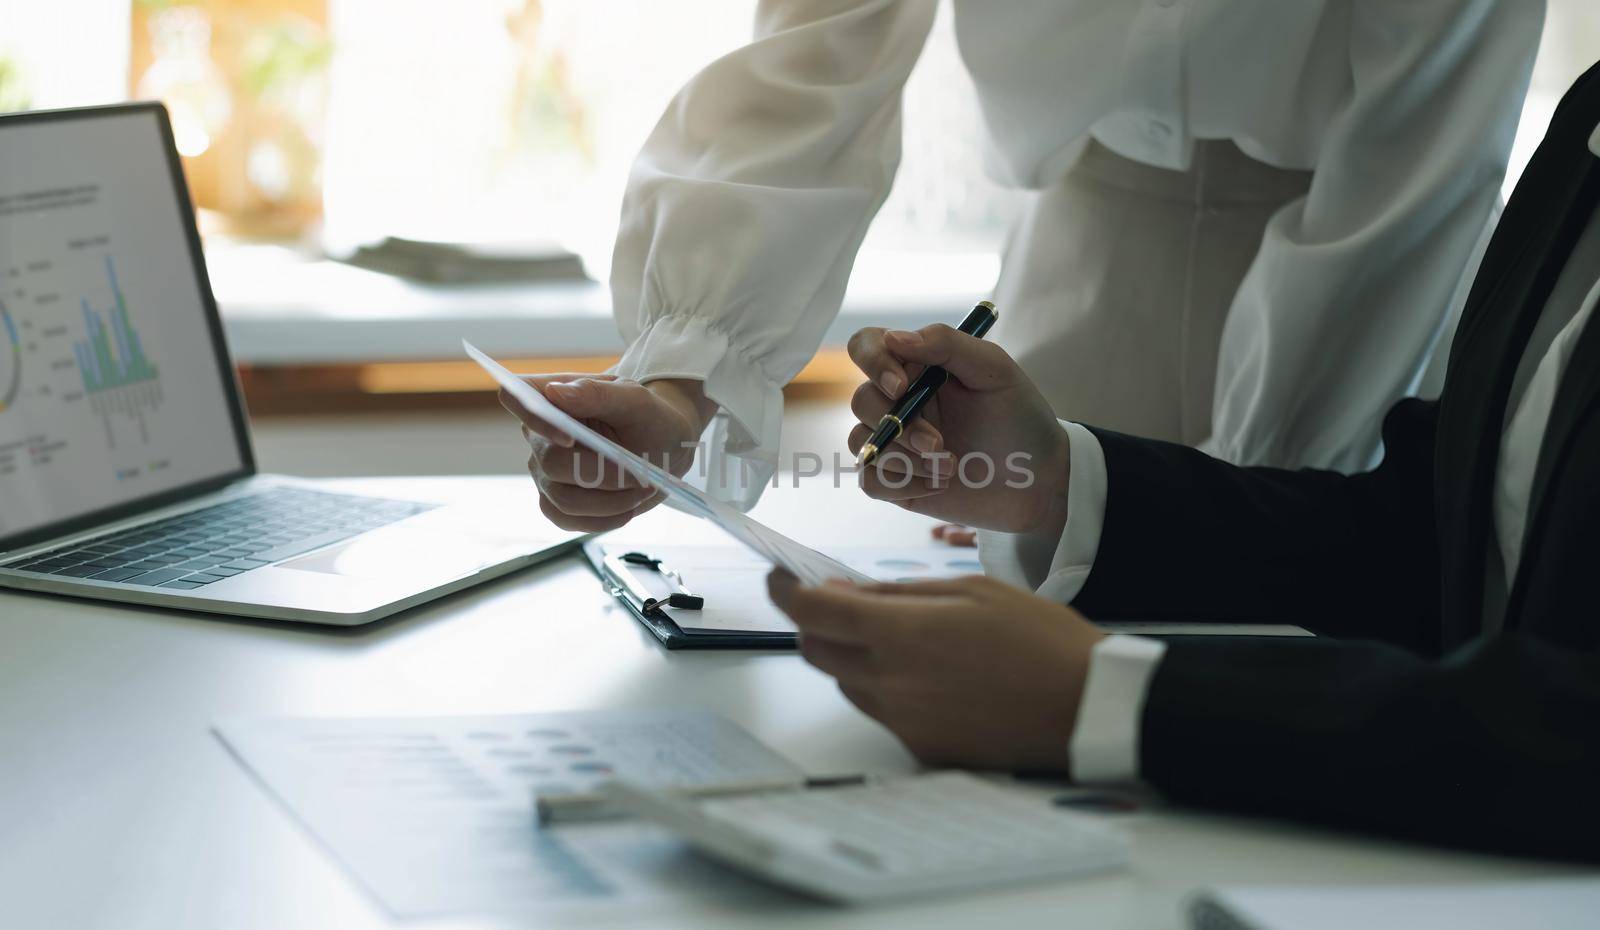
(1570, 45)
(495, 118)
(62, 53)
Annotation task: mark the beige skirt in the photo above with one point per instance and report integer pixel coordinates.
(1117, 281)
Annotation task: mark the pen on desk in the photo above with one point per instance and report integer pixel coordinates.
(922, 390)
(587, 806)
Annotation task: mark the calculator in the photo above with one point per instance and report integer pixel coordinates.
(916, 835)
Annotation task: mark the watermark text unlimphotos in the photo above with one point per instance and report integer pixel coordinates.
(893, 469)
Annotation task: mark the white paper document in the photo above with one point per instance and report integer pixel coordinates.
(1554, 904)
(803, 562)
(434, 815)
(733, 580)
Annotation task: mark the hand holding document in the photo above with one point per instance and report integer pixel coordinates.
(805, 563)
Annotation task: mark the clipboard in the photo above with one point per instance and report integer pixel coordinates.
(666, 586)
(664, 600)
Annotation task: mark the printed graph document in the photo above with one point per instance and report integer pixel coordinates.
(434, 815)
(803, 562)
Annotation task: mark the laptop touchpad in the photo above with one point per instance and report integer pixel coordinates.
(401, 552)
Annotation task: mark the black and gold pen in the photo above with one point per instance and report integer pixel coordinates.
(921, 390)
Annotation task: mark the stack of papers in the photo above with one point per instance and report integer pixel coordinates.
(469, 262)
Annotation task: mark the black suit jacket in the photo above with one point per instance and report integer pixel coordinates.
(1403, 716)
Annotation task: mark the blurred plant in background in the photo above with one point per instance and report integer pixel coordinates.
(13, 86)
(246, 82)
(183, 75)
(548, 114)
(284, 83)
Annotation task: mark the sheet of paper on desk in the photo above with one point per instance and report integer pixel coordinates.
(434, 814)
(736, 599)
(733, 581)
(1552, 904)
(804, 562)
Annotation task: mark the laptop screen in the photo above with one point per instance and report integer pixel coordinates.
(115, 390)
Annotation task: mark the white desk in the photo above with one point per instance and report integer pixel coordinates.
(118, 809)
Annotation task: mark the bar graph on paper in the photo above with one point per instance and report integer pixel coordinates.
(118, 378)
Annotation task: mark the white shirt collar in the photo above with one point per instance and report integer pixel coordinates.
(1594, 141)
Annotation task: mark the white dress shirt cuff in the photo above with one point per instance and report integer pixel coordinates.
(738, 453)
(1105, 741)
(1057, 568)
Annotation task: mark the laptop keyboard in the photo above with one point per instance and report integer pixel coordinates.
(204, 546)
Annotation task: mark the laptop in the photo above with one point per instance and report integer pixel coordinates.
(126, 468)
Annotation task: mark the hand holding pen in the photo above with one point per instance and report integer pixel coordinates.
(983, 449)
(909, 405)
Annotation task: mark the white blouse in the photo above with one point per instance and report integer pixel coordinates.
(746, 206)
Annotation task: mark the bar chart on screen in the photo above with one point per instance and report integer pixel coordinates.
(119, 380)
(112, 381)
(76, 371)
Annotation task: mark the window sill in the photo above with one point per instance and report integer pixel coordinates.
(281, 309)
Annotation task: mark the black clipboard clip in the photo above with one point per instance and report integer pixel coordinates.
(682, 598)
(625, 575)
